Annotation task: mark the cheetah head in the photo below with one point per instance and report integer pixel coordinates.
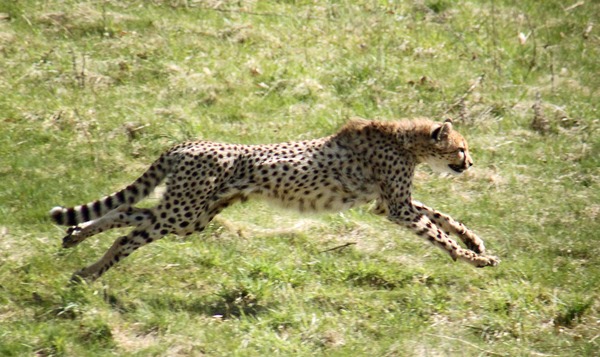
(448, 150)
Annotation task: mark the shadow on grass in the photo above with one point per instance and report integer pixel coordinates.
(227, 304)
(67, 305)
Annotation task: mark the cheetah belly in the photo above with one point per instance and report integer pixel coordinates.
(333, 198)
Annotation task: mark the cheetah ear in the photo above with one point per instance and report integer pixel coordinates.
(441, 132)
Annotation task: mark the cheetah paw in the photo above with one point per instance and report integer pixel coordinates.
(71, 239)
(83, 277)
(488, 261)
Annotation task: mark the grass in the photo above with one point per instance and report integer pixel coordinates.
(93, 91)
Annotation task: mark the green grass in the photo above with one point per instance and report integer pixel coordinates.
(93, 91)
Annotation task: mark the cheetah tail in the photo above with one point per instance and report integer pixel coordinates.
(130, 195)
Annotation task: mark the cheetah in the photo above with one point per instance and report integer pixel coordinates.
(365, 161)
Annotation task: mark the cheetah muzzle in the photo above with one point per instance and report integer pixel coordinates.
(363, 162)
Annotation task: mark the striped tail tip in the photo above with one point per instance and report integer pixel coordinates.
(58, 214)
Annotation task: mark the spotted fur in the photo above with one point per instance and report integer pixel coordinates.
(365, 161)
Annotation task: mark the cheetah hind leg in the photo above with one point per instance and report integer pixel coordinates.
(124, 216)
(121, 248)
(204, 219)
(143, 235)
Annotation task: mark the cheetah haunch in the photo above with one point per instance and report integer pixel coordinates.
(365, 161)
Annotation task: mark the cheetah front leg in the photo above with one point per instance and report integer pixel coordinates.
(449, 225)
(424, 227)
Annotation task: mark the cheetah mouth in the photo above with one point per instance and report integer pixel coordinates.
(457, 168)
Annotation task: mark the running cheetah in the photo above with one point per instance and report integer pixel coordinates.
(365, 161)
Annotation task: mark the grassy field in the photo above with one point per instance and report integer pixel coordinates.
(91, 92)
